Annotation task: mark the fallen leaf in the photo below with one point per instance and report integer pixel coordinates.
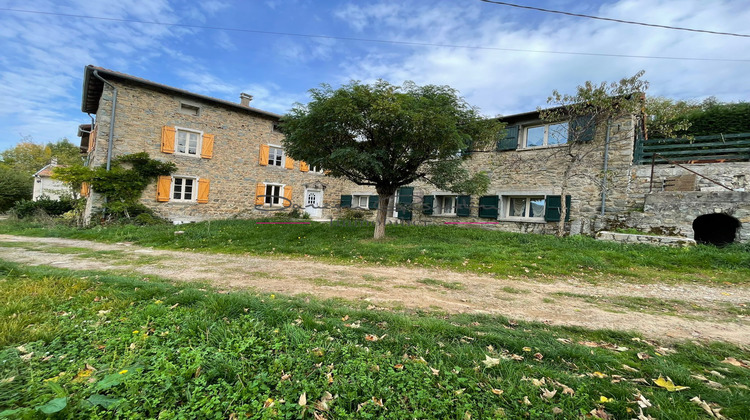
(516, 357)
(629, 369)
(268, 402)
(322, 405)
(345, 318)
(641, 401)
(668, 384)
(494, 391)
(734, 362)
(548, 394)
(398, 366)
(302, 399)
(642, 416)
(434, 371)
(598, 374)
(10, 379)
(490, 361)
(371, 337)
(526, 400)
(600, 413)
(538, 356)
(557, 410)
(566, 390)
(526, 349)
(643, 356)
(713, 412)
(564, 340)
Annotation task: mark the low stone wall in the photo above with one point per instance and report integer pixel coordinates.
(627, 238)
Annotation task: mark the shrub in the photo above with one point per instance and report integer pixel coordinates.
(50, 207)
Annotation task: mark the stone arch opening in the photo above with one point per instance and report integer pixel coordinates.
(715, 229)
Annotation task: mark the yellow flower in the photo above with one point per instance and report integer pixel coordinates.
(158, 302)
(273, 296)
(124, 371)
(604, 399)
(136, 332)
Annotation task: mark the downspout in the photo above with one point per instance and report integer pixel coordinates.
(93, 125)
(606, 162)
(111, 118)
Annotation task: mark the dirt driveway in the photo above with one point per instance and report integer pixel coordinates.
(659, 311)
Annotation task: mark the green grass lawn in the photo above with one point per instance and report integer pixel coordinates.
(95, 345)
(469, 249)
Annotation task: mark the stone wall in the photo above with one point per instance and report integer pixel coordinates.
(539, 172)
(234, 169)
(673, 213)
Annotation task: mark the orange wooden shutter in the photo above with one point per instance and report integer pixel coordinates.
(288, 196)
(303, 167)
(92, 140)
(203, 187)
(85, 189)
(207, 150)
(260, 191)
(163, 187)
(167, 139)
(263, 158)
(289, 164)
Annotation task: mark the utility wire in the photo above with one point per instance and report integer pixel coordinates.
(371, 40)
(629, 22)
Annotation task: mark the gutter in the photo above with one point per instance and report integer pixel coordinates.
(111, 118)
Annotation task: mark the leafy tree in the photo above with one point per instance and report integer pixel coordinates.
(14, 186)
(667, 116)
(592, 105)
(388, 136)
(28, 157)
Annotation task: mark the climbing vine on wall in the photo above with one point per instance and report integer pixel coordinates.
(123, 185)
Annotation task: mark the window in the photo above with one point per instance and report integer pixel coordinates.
(546, 135)
(316, 169)
(188, 142)
(445, 205)
(183, 189)
(276, 128)
(275, 156)
(524, 207)
(189, 109)
(360, 201)
(273, 194)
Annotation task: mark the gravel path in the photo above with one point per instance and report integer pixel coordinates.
(704, 313)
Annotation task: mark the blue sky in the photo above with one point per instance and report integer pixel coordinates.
(42, 56)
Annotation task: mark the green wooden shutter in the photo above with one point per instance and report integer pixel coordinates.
(582, 129)
(510, 141)
(405, 198)
(372, 202)
(346, 201)
(488, 206)
(553, 203)
(428, 203)
(463, 205)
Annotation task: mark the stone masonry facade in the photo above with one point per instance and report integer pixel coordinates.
(233, 171)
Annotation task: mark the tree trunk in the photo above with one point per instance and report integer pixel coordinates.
(563, 204)
(381, 216)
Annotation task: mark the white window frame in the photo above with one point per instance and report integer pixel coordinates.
(439, 204)
(316, 170)
(357, 201)
(268, 201)
(281, 153)
(508, 199)
(193, 193)
(545, 140)
(198, 146)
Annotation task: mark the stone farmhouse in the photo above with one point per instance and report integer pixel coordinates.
(229, 155)
(231, 164)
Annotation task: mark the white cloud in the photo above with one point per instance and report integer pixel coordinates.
(510, 82)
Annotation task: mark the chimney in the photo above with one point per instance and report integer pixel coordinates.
(245, 99)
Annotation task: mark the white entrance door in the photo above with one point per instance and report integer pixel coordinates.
(314, 203)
